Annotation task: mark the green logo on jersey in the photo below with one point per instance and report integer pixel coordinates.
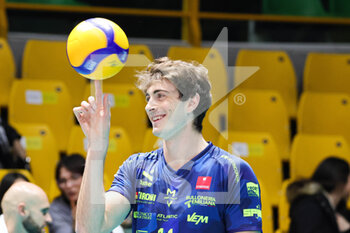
(197, 218)
(253, 189)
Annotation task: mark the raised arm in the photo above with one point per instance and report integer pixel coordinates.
(97, 211)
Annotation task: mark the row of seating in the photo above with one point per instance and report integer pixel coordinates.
(255, 69)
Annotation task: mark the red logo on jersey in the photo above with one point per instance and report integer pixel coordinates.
(203, 182)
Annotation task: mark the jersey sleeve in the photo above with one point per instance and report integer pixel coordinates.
(124, 179)
(243, 210)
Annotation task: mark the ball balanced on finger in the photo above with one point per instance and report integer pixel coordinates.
(97, 48)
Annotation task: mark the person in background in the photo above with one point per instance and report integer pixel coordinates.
(315, 202)
(25, 209)
(69, 173)
(12, 153)
(7, 181)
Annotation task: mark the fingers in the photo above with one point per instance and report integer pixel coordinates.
(98, 92)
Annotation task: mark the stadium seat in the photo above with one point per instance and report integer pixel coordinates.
(324, 113)
(266, 209)
(151, 142)
(295, 7)
(283, 208)
(325, 72)
(259, 149)
(308, 150)
(48, 60)
(261, 111)
(45, 102)
(40, 145)
(7, 70)
(24, 172)
(213, 61)
(276, 72)
(127, 109)
(139, 57)
(120, 147)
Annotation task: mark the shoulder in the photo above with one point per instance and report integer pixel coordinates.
(140, 158)
(310, 204)
(227, 159)
(59, 205)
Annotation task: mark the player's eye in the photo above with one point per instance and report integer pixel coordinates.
(147, 98)
(160, 96)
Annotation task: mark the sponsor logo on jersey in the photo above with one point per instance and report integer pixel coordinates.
(234, 166)
(145, 196)
(145, 183)
(203, 182)
(253, 189)
(200, 200)
(170, 196)
(165, 218)
(142, 215)
(252, 213)
(197, 218)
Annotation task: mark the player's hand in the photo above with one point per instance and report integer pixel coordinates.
(94, 118)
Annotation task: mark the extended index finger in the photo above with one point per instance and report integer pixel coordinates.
(98, 92)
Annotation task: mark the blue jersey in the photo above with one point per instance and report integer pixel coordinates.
(214, 192)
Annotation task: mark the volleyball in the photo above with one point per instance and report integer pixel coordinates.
(97, 48)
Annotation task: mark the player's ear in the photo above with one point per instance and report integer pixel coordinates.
(193, 103)
(22, 209)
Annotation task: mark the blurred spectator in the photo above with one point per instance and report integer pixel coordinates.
(26, 209)
(7, 181)
(315, 202)
(69, 174)
(12, 154)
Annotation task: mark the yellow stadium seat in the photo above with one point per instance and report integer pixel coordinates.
(266, 209)
(324, 113)
(48, 60)
(127, 110)
(7, 71)
(308, 150)
(260, 151)
(139, 57)
(262, 111)
(276, 72)
(151, 142)
(283, 209)
(119, 149)
(213, 61)
(327, 72)
(24, 172)
(40, 146)
(46, 102)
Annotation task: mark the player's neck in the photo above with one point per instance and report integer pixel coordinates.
(182, 147)
(11, 225)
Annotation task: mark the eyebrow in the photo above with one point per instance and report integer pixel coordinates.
(45, 210)
(156, 91)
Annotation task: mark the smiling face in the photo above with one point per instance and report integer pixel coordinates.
(165, 109)
(69, 183)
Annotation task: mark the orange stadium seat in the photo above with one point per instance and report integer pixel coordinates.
(308, 150)
(327, 72)
(324, 113)
(24, 172)
(266, 209)
(261, 111)
(44, 102)
(276, 72)
(7, 71)
(40, 145)
(48, 60)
